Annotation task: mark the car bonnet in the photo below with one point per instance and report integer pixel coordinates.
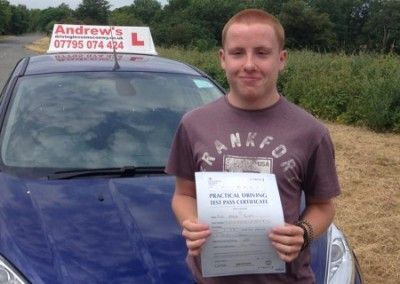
(92, 230)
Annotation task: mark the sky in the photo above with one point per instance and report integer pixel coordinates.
(73, 4)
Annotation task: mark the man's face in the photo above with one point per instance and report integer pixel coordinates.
(252, 60)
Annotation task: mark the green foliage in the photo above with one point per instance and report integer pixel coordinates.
(356, 89)
(348, 18)
(212, 15)
(181, 32)
(382, 29)
(350, 86)
(34, 16)
(320, 25)
(353, 89)
(93, 11)
(124, 17)
(5, 16)
(176, 5)
(53, 15)
(147, 10)
(20, 19)
(305, 27)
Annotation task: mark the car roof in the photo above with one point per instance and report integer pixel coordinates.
(92, 62)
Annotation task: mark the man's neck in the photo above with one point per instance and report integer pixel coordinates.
(256, 104)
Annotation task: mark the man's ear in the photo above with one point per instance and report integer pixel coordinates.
(283, 56)
(222, 58)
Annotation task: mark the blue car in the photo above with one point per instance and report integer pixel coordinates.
(83, 195)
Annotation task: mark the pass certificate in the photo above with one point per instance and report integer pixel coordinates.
(240, 209)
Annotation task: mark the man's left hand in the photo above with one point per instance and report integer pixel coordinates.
(287, 240)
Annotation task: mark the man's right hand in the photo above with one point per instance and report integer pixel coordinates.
(196, 235)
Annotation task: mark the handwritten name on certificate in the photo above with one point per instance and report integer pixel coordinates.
(241, 209)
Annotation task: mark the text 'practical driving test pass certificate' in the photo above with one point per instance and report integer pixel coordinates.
(240, 209)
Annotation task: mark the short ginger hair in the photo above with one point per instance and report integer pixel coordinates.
(256, 16)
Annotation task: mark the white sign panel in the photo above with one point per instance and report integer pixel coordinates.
(85, 38)
(240, 209)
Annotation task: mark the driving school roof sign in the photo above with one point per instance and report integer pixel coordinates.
(85, 38)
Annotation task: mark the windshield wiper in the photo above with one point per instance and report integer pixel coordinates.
(128, 171)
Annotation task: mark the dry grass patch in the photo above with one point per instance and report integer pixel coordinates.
(368, 210)
(40, 45)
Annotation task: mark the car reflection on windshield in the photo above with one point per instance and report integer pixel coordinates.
(98, 119)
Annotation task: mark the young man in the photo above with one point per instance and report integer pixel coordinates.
(254, 128)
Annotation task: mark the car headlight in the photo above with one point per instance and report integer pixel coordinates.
(341, 266)
(8, 274)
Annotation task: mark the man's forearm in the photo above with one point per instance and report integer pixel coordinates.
(184, 207)
(319, 215)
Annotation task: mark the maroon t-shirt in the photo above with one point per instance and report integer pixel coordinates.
(282, 139)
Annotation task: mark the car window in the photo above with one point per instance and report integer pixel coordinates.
(98, 119)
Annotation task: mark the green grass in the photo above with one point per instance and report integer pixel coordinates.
(352, 89)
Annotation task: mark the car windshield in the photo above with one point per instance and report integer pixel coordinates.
(92, 120)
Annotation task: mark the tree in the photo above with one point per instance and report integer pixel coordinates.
(212, 15)
(124, 16)
(348, 18)
(176, 5)
(93, 11)
(170, 29)
(5, 16)
(382, 29)
(20, 19)
(147, 10)
(59, 14)
(305, 27)
(34, 15)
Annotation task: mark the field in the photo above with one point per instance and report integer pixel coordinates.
(368, 210)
